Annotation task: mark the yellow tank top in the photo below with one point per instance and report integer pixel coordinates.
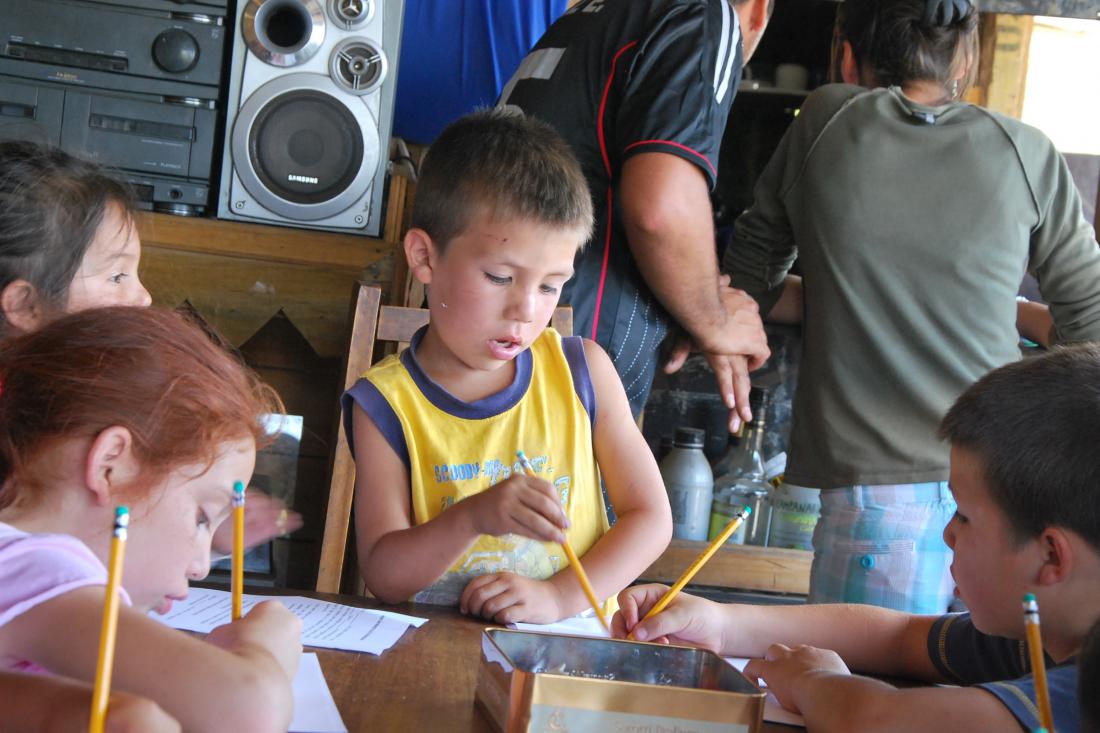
(455, 449)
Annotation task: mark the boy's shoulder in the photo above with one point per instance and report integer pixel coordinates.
(1001, 666)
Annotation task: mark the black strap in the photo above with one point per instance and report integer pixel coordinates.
(945, 12)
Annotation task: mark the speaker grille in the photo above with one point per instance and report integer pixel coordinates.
(305, 147)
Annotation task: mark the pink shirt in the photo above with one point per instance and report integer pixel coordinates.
(37, 567)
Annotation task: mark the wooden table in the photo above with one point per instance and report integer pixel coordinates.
(425, 682)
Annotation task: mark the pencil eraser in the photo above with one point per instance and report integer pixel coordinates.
(1029, 597)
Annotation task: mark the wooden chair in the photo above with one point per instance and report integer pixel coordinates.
(370, 323)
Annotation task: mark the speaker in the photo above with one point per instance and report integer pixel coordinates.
(309, 113)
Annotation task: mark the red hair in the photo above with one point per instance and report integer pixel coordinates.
(152, 371)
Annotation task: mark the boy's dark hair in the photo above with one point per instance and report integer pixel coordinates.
(513, 165)
(900, 41)
(1088, 681)
(1035, 424)
(51, 204)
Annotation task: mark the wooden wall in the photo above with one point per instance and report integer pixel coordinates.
(281, 296)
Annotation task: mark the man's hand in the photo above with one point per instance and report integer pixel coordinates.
(741, 346)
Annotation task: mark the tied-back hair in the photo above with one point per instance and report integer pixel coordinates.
(152, 371)
(51, 204)
(901, 41)
(503, 162)
(1034, 425)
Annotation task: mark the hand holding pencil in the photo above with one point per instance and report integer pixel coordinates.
(697, 564)
(574, 561)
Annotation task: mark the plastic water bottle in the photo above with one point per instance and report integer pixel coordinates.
(689, 483)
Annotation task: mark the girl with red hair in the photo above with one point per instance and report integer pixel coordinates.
(134, 406)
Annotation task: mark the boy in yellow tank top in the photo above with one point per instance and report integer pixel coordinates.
(443, 511)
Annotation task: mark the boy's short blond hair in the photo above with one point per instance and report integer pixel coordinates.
(502, 161)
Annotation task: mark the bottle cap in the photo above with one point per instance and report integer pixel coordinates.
(689, 438)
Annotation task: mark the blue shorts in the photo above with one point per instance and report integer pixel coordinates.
(883, 545)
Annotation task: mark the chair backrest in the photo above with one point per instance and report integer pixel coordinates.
(370, 323)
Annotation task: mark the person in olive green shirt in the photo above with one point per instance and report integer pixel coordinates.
(915, 216)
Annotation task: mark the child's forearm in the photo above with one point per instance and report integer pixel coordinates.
(406, 561)
(615, 561)
(852, 704)
(847, 704)
(868, 639)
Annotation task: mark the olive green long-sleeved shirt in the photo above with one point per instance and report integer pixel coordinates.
(914, 226)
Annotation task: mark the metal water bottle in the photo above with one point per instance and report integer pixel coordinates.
(690, 484)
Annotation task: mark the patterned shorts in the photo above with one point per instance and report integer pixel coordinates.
(883, 545)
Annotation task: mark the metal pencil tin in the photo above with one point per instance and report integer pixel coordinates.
(535, 682)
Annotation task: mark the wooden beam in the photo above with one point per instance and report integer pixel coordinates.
(260, 242)
(740, 567)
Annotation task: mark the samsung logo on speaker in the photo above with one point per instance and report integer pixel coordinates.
(301, 179)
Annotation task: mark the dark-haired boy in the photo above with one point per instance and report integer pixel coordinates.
(1025, 472)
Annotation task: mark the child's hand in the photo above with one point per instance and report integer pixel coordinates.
(687, 620)
(507, 598)
(268, 625)
(131, 714)
(264, 517)
(784, 668)
(520, 504)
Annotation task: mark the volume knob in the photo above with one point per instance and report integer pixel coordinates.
(175, 51)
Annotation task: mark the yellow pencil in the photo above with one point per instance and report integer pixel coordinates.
(237, 573)
(108, 630)
(698, 564)
(1038, 665)
(574, 561)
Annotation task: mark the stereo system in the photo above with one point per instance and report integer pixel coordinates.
(131, 84)
(309, 112)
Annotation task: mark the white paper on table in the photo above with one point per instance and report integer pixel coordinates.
(576, 626)
(773, 711)
(324, 624)
(314, 709)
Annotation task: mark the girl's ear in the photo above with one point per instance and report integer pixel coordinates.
(421, 254)
(849, 67)
(110, 464)
(22, 307)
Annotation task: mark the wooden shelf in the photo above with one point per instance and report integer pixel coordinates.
(740, 567)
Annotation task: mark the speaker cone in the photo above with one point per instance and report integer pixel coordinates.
(349, 14)
(357, 66)
(304, 149)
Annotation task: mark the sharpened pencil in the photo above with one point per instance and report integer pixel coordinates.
(574, 561)
(697, 564)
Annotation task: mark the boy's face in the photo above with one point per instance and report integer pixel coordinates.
(500, 281)
(991, 570)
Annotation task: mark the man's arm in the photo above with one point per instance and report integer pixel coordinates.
(668, 219)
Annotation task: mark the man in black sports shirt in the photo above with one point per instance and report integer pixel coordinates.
(641, 89)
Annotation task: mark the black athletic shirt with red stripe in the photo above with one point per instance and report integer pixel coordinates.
(616, 78)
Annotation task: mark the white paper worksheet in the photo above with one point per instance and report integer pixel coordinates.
(314, 709)
(324, 624)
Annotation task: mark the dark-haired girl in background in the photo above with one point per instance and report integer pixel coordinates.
(915, 216)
